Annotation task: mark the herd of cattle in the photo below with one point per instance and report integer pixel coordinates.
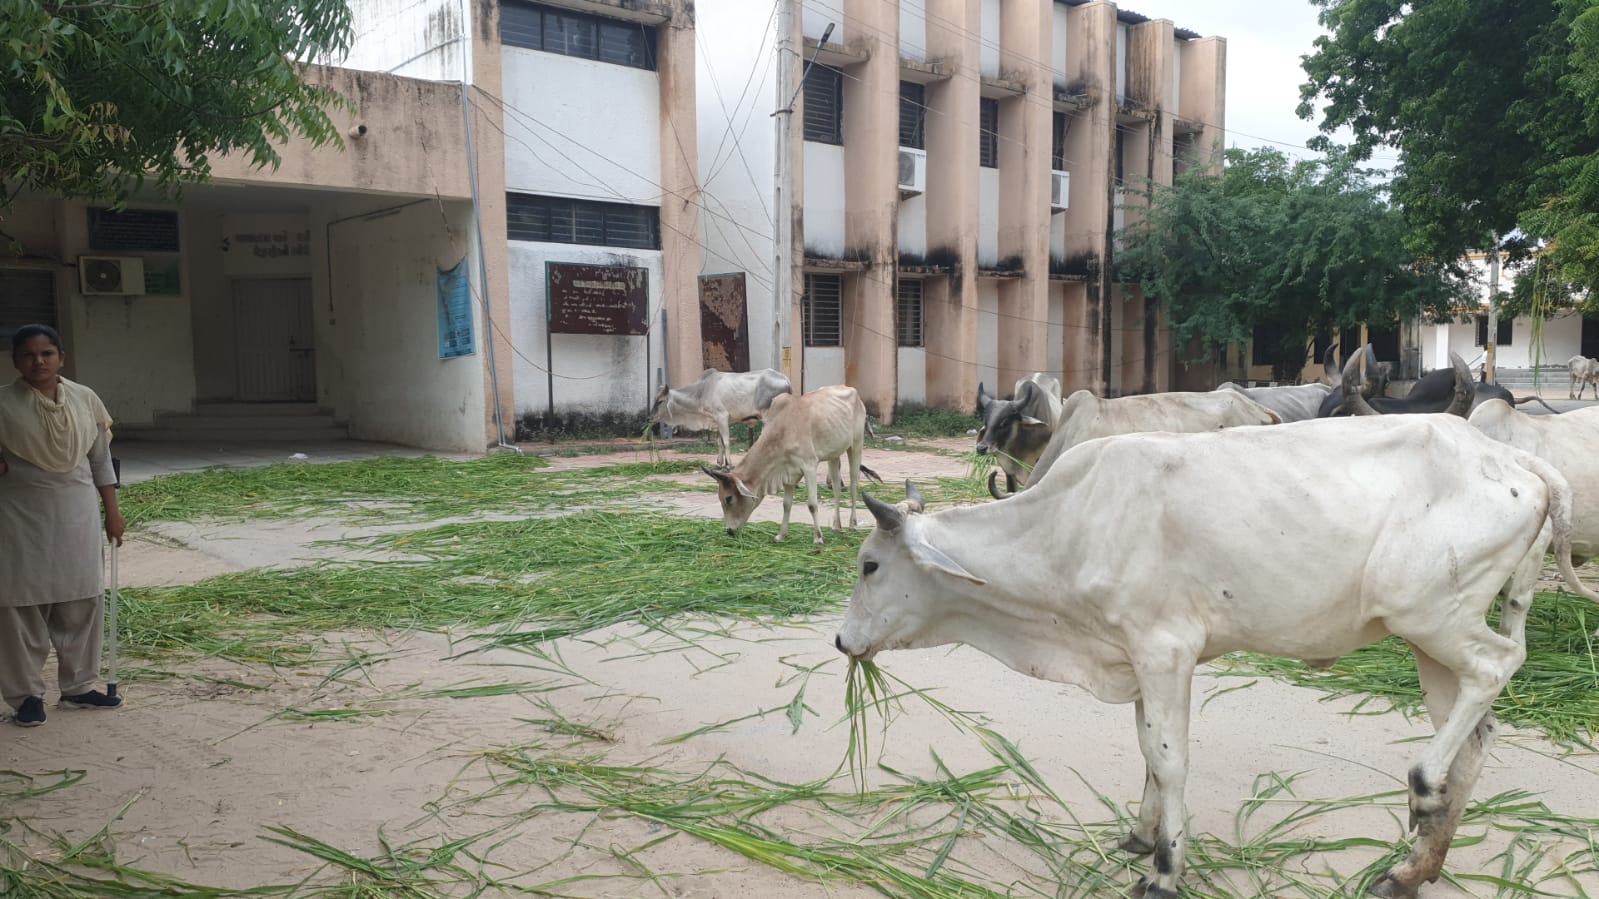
(1144, 535)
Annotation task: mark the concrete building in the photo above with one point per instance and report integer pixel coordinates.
(1559, 337)
(962, 167)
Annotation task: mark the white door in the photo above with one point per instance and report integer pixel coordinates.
(272, 327)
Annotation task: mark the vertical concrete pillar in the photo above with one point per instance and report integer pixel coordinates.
(1147, 363)
(950, 303)
(1204, 96)
(871, 204)
(488, 139)
(1027, 30)
(793, 361)
(680, 217)
(1090, 143)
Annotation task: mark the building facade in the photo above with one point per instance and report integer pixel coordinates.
(961, 168)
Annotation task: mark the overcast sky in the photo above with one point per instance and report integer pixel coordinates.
(1265, 39)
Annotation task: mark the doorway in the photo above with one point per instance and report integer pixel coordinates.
(274, 338)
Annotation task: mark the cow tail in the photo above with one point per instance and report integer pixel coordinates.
(1560, 522)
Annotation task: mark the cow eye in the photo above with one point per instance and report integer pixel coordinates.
(868, 568)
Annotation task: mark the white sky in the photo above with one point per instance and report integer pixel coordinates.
(1265, 39)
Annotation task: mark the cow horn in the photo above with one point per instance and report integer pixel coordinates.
(1329, 367)
(888, 518)
(993, 485)
(982, 399)
(1351, 372)
(1465, 390)
(1354, 399)
(721, 476)
(913, 498)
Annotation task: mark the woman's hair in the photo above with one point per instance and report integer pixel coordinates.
(28, 332)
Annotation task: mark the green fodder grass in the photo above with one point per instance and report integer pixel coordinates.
(1556, 690)
(386, 489)
(522, 581)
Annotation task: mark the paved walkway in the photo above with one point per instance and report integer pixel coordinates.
(144, 460)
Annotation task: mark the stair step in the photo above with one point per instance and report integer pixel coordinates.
(233, 435)
(244, 422)
(257, 409)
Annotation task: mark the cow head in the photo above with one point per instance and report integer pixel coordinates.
(1007, 423)
(901, 583)
(736, 500)
(662, 399)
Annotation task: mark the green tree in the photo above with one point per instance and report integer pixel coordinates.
(97, 97)
(1288, 248)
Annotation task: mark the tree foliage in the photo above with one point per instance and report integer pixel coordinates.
(99, 96)
(1291, 248)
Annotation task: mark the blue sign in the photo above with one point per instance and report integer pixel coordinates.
(455, 312)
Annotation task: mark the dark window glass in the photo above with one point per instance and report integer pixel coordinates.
(988, 133)
(1057, 143)
(556, 220)
(912, 115)
(821, 310)
(1264, 347)
(571, 33)
(1502, 338)
(908, 312)
(133, 230)
(27, 297)
(824, 105)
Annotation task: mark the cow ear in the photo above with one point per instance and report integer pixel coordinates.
(1031, 422)
(928, 556)
(913, 498)
(982, 399)
(889, 519)
(738, 484)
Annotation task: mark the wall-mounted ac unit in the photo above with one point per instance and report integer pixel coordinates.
(100, 276)
(1060, 190)
(912, 170)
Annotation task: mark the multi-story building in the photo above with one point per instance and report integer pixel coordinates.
(961, 168)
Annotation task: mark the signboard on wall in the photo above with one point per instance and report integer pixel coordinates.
(263, 244)
(455, 312)
(724, 322)
(597, 299)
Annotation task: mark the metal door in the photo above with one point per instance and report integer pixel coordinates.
(272, 327)
(724, 322)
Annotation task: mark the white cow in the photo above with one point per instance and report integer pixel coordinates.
(1569, 442)
(1296, 402)
(1018, 429)
(1584, 371)
(717, 400)
(1140, 557)
(1085, 416)
(800, 433)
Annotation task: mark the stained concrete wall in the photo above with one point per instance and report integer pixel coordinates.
(416, 38)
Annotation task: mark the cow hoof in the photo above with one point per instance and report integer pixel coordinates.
(1135, 844)
(1147, 889)
(1389, 887)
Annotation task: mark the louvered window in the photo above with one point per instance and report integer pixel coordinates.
(27, 297)
(1504, 331)
(988, 133)
(912, 115)
(557, 220)
(824, 105)
(1057, 144)
(577, 34)
(822, 310)
(908, 312)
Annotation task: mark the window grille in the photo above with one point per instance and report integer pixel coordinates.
(824, 105)
(1504, 331)
(908, 312)
(558, 220)
(988, 133)
(570, 33)
(821, 311)
(912, 115)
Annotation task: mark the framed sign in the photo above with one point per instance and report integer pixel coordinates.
(455, 312)
(597, 299)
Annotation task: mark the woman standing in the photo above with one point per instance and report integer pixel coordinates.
(55, 456)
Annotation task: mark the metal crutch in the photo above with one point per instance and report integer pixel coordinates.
(114, 599)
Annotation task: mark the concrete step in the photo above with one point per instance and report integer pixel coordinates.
(245, 422)
(256, 409)
(233, 435)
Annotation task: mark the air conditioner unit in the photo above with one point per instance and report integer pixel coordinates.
(912, 170)
(1060, 190)
(110, 275)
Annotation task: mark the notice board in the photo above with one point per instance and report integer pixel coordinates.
(597, 299)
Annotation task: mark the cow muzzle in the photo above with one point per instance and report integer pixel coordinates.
(865, 655)
(984, 449)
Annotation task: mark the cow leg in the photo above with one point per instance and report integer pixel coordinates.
(812, 504)
(854, 478)
(1166, 686)
(788, 505)
(1141, 839)
(724, 444)
(835, 483)
(1462, 671)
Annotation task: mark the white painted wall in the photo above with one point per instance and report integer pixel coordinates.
(593, 374)
(555, 142)
(736, 154)
(912, 225)
(987, 217)
(912, 370)
(824, 199)
(1121, 62)
(988, 336)
(1562, 339)
(824, 366)
(817, 14)
(988, 55)
(913, 30)
(1058, 45)
(418, 38)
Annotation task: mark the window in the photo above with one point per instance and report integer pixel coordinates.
(27, 297)
(577, 34)
(912, 115)
(908, 312)
(824, 105)
(988, 133)
(820, 310)
(557, 220)
(1057, 143)
(1503, 335)
(1265, 346)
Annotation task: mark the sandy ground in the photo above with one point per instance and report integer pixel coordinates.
(188, 777)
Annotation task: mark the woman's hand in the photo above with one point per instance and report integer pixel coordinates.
(115, 527)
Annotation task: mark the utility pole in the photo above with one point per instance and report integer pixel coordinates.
(1493, 313)
(782, 208)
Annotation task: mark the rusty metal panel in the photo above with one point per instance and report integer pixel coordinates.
(724, 322)
(597, 299)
